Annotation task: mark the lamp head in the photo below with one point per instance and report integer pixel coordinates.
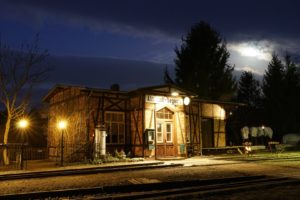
(186, 101)
(23, 123)
(62, 124)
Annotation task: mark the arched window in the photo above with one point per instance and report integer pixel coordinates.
(164, 114)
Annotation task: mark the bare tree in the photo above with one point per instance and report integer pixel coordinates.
(20, 70)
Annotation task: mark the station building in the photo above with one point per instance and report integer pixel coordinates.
(162, 121)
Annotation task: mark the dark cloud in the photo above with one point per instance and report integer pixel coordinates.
(99, 73)
(234, 18)
(275, 22)
(103, 72)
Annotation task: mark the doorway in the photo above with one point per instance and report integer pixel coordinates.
(207, 132)
(165, 134)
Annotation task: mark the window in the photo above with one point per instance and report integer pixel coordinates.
(115, 124)
(159, 133)
(164, 114)
(169, 132)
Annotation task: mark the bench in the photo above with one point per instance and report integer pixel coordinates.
(276, 147)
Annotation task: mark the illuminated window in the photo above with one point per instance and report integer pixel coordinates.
(159, 133)
(164, 114)
(169, 132)
(164, 129)
(115, 123)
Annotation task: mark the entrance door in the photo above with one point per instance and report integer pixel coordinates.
(165, 142)
(207, 133)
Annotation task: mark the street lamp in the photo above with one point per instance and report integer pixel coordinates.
(22, 124)
(62, 125)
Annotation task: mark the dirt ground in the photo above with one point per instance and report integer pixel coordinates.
(194, 168)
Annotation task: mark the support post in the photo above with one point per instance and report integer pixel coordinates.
(62, 148)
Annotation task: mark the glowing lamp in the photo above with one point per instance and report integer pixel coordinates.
(186, 101)
(174, 94)
(62, 124)
(23, 123)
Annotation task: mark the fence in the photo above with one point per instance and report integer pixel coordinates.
(71, 153)
(18, 150)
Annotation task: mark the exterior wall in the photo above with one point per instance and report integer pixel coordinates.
(179, 125)
(85, 109)
(217, 113)
(219, 133)
(100, 105)
(68, 104)
(181, 133)
(149, 123)
(198, 111)
(136, 125)
(194, 134)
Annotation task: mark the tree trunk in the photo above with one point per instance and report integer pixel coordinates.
(5, 140)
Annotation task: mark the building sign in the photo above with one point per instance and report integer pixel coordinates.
(164, 100)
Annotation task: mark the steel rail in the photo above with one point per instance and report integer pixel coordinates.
(85, 171)
(172, 189)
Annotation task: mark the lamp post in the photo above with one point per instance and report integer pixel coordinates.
(62, 125)
(22, 125)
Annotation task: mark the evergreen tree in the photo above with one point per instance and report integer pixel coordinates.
(273, 81)
(167, 77)
(248, 90)
(202, 64)
(291, 95)
(280, 89)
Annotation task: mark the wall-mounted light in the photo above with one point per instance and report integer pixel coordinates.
(175, 94)
(186, 101)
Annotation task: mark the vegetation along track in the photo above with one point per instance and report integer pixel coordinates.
(162, 190)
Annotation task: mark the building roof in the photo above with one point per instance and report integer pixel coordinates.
(163, 90)
(59, 87)
(155, 90)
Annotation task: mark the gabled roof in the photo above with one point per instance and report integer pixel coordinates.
(59, 87)
(163, 90)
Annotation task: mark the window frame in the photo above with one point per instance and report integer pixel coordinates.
(114, 121)
(165, 118)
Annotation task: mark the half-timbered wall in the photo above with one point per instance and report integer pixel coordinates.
(126, 116)
(137, 125)
(84, 110)
(199, 112)
(217, 113)
(68, 104)
(151, 113)
(194, 128)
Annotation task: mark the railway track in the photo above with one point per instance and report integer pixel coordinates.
(163, 190)
(258, 158)
(85, 171)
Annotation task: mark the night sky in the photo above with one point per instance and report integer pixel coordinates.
(97, 43)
